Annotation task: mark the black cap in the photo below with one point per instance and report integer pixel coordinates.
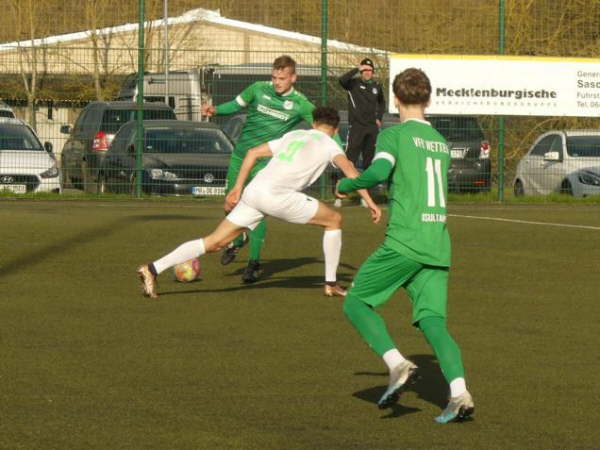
(367, 62)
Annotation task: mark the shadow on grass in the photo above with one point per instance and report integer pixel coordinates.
(430, 386)
(39, 256)
(270, 279)
(274, 266)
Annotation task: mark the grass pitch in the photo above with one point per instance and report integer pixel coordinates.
(87, 362)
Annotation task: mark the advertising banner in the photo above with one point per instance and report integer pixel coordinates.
(506, 85)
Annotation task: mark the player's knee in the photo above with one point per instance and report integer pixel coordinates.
(212, 246)
(352, 306)
(336, 220)
(433, 326)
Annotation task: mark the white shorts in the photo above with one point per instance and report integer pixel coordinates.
(293, 207)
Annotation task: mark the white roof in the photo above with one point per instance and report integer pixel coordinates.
(196, 15)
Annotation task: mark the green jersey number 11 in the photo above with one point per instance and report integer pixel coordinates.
(433, 167)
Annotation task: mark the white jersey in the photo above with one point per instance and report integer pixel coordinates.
(299, 159)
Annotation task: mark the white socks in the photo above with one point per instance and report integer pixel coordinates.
(392, 358)
(187, 250)
(332, 248)
(457, 387)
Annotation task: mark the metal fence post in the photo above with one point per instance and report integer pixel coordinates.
(139, 141)
(501, 121)
(324, 37)
(324, 91)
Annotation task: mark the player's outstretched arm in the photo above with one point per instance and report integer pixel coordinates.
(348, 169)
(262, 151)
(379, 171)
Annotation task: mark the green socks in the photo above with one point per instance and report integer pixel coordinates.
(445, 348)
(257, 238)
(369, 324)
(371, 327)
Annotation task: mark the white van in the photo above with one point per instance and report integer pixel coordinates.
(180, 90)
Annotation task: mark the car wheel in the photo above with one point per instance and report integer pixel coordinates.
(519, 190)
(566, 188)
(66, 179)
(88, 184)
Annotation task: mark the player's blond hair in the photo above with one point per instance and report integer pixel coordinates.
(283, 62)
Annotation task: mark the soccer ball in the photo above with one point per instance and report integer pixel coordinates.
(188, 271)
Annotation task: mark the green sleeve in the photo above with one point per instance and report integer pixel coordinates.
(377, 172)
(307, 110)
(240, 102)
(228, 108)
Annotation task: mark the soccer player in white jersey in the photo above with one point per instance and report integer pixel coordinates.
(298, 159)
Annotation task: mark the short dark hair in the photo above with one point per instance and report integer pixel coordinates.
(283, 62)
(326, 115)
(412, 87)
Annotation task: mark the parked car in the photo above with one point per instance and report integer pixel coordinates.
(179, 158)
(6, 111)
(565, 161)
(470, 166)
(94, 129)
(25, 165)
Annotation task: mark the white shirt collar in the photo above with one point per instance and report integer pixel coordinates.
(417, 120)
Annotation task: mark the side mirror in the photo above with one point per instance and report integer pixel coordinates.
(552, 156)
(65, 129)
(48, 146)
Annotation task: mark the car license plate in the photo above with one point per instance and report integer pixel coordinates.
(16, 188)
(208, 190)
(457, 153)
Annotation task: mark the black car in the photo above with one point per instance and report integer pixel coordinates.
(179, 158)
(94, 129)
(470, 168)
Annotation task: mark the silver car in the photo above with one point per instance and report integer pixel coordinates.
(25, 165)
(563, 161)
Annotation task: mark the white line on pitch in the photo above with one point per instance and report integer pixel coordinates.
(499, 219)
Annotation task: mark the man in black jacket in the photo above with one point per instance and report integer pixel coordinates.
(366, 106)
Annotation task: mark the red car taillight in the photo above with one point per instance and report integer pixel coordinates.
(100, 141)
(484, 152)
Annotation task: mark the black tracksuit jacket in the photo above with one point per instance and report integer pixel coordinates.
(365, 100)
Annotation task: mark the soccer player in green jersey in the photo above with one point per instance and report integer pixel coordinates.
(415, 254)
(274, 108)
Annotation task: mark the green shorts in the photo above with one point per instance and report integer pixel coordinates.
(235, 164)
(387, 270)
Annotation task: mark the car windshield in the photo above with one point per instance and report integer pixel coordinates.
(113, 119)
(186, 141)
(457, 128)
(6, 113)
(583, 146)
(18, 137)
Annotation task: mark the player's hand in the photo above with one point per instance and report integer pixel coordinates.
(375, 211)
(232, 199)
(338, 194)
(378, 123)
(208, 110)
